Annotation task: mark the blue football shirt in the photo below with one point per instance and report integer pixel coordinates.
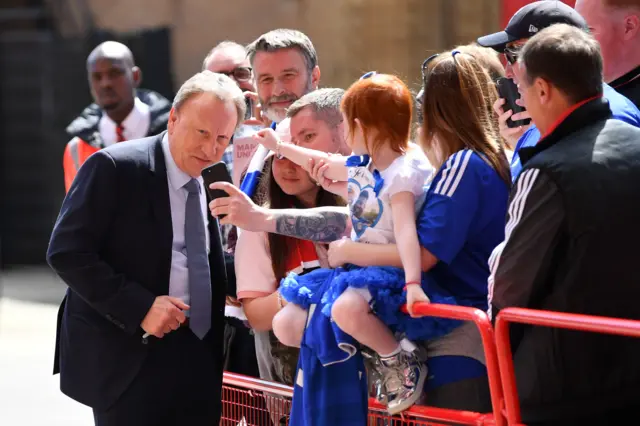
(461, 223)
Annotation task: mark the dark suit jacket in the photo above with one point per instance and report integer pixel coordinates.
(111, 245)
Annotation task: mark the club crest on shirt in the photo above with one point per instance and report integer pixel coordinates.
(366, 208)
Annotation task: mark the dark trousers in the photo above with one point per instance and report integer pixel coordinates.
(240, 349)
(179, 384)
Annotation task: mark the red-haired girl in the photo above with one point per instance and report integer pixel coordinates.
(384, 182)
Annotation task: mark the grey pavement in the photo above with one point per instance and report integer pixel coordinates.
(29, 392)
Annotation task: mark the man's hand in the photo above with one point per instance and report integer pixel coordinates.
(240, 211)
(339, 252)
(257, 118)
(166, 314)
(510, 134)
(232, 301)
(415, 293)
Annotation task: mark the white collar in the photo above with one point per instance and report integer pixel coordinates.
(136, 124)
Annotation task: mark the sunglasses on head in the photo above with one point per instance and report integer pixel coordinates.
(239, 74)
(368, 75)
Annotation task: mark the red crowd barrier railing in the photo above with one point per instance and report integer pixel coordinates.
(254, 402)
(578, 322)
(483, 323)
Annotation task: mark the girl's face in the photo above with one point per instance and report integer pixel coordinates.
(355, 138)
(294, 180)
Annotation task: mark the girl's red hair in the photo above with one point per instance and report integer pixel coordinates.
(381, 103)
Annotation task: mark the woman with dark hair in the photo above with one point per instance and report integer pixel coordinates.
(262, 260)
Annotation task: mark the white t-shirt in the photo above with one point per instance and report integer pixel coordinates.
(370, 214)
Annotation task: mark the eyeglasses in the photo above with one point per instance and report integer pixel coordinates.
(511, 55)
(239, 74)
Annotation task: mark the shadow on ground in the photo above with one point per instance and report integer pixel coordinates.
(32, 284)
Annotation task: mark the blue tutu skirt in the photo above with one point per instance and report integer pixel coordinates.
(386, 285)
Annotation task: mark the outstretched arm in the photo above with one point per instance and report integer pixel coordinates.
(336, 170)
(321, 224)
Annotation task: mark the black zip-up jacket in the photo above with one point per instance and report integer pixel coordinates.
(573, 245)
(629, 85)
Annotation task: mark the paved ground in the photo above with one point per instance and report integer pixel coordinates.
(29, 393)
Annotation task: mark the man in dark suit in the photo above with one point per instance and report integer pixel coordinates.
(141, 328)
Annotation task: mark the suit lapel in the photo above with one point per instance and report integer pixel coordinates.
(159, 191)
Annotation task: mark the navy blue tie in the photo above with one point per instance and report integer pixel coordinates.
(197, 262)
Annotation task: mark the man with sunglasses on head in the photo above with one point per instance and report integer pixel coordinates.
(526, 23)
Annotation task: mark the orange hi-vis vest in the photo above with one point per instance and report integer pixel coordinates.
(76, 153)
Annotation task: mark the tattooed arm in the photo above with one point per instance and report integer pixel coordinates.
(322, 224)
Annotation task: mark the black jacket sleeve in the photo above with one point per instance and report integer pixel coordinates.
(520, 266)
(78, 235)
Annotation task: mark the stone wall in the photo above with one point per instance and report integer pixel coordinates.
(351, 36)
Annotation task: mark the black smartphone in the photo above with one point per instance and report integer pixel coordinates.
(508, 91)
(216, 173)
(249, 112)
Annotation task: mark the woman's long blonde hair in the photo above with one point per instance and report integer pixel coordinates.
(457, 105)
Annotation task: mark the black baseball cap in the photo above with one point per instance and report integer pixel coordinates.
(532, 18)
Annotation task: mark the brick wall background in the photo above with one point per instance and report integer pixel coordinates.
(351, 36)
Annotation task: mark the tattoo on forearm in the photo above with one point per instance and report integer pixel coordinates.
(322, 227)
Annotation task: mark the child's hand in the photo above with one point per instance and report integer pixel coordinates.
(317, 169)
(267, 138)
(415, 294)
(339, 252)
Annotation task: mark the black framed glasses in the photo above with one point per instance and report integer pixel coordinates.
(239, 74)
(511, 55)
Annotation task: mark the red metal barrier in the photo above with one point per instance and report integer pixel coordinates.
(577, 322)
(247, 401)
(482, 321)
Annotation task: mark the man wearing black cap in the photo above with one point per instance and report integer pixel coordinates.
(526, 23)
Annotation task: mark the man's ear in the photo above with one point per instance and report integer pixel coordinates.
(542, 90)
(315, 77)
(173, 116)
(631, 27)
(137, 76)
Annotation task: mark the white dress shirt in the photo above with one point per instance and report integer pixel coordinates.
(136, 125)
(176, 179)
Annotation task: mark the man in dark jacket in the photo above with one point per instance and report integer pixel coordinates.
(571, 240)
(121, 111)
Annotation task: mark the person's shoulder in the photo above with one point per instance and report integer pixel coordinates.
(159, 106)
(621, 107)
(415, 159)
(85, 123)
(136, 152)
(529, 138)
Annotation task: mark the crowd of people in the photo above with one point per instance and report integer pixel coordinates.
(356, 202)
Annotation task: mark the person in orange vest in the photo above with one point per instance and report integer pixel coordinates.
(120, 112)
